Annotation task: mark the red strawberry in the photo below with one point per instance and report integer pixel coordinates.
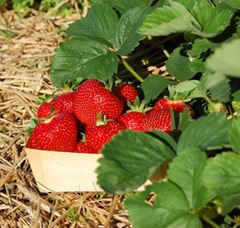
(132, 120)
(65, 101)
(97, 136)
(44, 110)
(160, 120)
(82, 147)
(177, 106)
(87, 127)
(59, 133)
(126, 92)
(32, 142)
(92, 98)
(62, 103)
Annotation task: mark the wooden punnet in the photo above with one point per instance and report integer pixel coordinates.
(64, 171)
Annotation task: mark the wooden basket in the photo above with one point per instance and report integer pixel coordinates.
(69, 172)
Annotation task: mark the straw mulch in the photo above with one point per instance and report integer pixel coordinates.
(27, 46)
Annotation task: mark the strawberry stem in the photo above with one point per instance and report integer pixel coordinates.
(209, 221)
(160, 45)
(164, 50)
(211, 104)
(133, 72)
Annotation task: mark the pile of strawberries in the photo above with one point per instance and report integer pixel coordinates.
(84, 120)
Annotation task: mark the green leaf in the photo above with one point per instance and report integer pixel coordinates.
(212, 79)
(197, 93)
(200, 51)
(2, 2)
(81, 57)
(236, 95)
(222, 174)
(207, 132)
(126, 36)
(165, 138)
(186, 86)
(99, 25)
(221, 92)
(165, 21)
(212, 22)
(130, 159)
(234, 135)
(98, 40)
(178, 65)
(220, 86)
(201, 45)
(189, 4)
(230, 202)
(170, 208)
(102, 25)
(197, 65)
(184, 120)
(225, 59)
(233, 3)
(186, 172)
(182, 7)
(154, 85)
(124, 5)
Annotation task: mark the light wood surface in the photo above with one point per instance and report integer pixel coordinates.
(64, 171)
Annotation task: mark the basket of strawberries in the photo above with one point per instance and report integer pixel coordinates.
(72, 129)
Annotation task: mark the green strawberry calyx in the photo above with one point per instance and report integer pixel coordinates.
(33, 123)
(102, 119)
(138, 106)
(46, 98)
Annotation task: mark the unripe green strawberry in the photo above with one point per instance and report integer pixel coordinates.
(159, 120)
(97, 136)
(59, 133)
(92, 98)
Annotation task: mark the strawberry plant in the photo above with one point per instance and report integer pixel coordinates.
(197, 139)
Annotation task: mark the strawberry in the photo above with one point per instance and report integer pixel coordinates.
(132, 120)
(44, 110)
(134, 117)
(87, 127)
(82, 147)
(177, 106)
(32, 142)
(63, 102)
(92, 98)
(99, 135)
(160, 120)
(58, 133)
(126, 92)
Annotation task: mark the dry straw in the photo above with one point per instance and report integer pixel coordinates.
(26, 50)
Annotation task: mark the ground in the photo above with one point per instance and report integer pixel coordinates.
(27, 47)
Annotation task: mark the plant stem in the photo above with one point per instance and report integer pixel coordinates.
(133, 72)
(159, 44)
(209, 221)
(211, 104)
(164, 50)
